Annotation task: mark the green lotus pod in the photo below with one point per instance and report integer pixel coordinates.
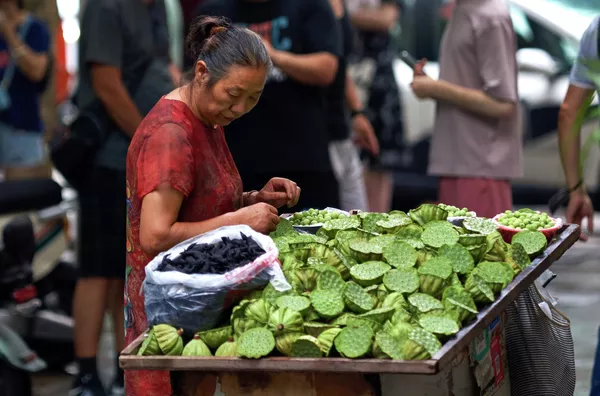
(399, 330)
(436, 237)
(311, 315)
(357, 299)
(354, 342)
(342, 319)
(439, 323)
(357, 321)
(169, 339)
(394, 300)
(411, 232)
(240, 325)
(534, 242)
(318, 264)
(421, 345)
(372, 291)
(381, 294)
(426, 213)
(331, 280)
(401, 315)
(477, 252)
(284, 342)
(303, 280)
(255, 343)
(369, 273)
(495, 275)
(457, 299)
(370, 219)
(422, 303)
(228, 349)
(400, 255)
(285, 320)
(344, 238)
(423, 255)
(306, 346)
(517, 257)
(259, 311)
(379, 315)
(270, 294)
(332, 227)
(216, 337)
(434, 275)
(255, 295)
(478, 289)
(469, 240)
(384, 240)
(295, 303)
(336, 260)
(404, 281)
(315, 328)
(459, 256)
(327, 303)
(150, 345)
(327, 338)
(364, 251)
(386, 347)
(392, 225)
(479, 225)
(316, 249)
(196, 347)
(496, 247)
(454, 280)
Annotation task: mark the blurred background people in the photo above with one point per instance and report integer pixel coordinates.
(373, 71)
(343, 104)
(24, 72)
(287, 132)
(476, 147)
(120, 67)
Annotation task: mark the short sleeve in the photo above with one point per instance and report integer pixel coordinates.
(38, 37)
(102, 31)
(588, 50)
(165, 157)
(320, 30)
(496, 52)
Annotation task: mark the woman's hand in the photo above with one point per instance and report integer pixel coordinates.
(261, 217)
(580, 207)
(278, 192)
(364, 135)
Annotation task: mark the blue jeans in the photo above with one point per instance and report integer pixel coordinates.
(19, 149)
(595, 391)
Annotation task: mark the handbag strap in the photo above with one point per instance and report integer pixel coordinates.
(9, 73)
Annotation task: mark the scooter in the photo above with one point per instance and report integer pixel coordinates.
(37, 271)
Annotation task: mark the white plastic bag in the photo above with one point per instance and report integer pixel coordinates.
(197, 302)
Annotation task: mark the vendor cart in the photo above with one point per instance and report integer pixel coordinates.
(449, 368)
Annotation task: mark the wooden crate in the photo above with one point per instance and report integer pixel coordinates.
(285, 375)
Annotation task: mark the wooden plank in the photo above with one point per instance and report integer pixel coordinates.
(132, 348)
(567, 237)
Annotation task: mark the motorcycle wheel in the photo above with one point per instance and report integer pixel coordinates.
(14, 382)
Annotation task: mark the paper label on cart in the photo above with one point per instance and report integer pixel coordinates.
(496, 355)
(481, 345)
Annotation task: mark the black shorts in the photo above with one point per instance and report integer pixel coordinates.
(319, 189)
(102, 221)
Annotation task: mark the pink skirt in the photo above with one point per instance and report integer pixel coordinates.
(486, 197)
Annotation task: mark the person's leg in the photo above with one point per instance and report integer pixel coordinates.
(348, 172)
(24, 155)
(380, 189)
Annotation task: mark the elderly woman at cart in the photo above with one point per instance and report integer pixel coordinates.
(181, 178)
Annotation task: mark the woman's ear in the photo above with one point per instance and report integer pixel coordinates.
(201, 72)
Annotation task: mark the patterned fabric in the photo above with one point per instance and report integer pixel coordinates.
(171, 147)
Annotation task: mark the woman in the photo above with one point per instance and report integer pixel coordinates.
(24, 60)
(181, 178)
(374, 19)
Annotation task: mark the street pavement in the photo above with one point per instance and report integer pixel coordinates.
(577, 288)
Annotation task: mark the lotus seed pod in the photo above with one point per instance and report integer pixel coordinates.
(259, 311)
(150, 345)
(296, 303)
(386, 347)
(284, 320)
(306, 346)
(421, 345)
(400, 255)
(331, 280)
(327, 338)
(284, 342)
(404, 281)
(315, 329)
(394, 300)
(379, 315)
(478, 289)
(357, 321)
(459, 256)
(357, 299)
(440, 324)
(342, 319)
(354, 342)
(327, 303)
(214, 338)
(255, 343)
(311, 315)
(381, 294)
(196, 347)
(228, 349)
(369, 273)
(169, 339)
(399, 330)
(423, 303)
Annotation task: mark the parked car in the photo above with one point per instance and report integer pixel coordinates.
(548, 34)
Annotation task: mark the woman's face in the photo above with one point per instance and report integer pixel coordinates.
(233, 95)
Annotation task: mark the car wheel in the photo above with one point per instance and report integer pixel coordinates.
(14, 382)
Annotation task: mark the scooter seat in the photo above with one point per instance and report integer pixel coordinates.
(26, 195)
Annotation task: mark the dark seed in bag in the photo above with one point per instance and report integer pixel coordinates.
(217, 258)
